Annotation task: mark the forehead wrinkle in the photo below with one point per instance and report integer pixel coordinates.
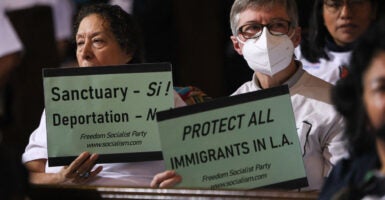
(100, 25)
(83, 35)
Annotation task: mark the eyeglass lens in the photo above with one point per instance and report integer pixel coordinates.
(254, 30)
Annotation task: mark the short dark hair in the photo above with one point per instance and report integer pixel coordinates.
(122, 25)
(347, 95)
(313, 46)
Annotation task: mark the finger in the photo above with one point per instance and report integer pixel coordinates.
(171, 182)
(67, 174)
(78, 162)
(88, 175)
(87, 165)
(93, 173)
(71, 170)
(96, 171)
(83, 171)
(159, 178)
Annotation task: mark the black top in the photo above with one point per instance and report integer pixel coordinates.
(354, 178)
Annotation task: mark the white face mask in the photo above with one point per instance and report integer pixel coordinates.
(268, 54)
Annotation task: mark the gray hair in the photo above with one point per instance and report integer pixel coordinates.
(241, 5)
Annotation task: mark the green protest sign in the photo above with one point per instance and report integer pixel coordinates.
(240, 142)
(106, 110)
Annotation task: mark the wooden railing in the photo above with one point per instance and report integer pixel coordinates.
(58, 192)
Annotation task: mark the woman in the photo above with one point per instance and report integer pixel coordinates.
(105, 35)
(360, 98)
(334, 28)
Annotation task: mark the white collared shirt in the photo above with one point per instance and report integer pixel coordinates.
(319, 127)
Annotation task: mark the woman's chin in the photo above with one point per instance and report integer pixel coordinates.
(87, 64)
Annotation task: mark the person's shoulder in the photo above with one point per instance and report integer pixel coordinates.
(337, 179)
(311, 87)
(347, 171)
(248, 86)
(313, 81)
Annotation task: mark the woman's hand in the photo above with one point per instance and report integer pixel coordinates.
(79, 171)
(166, 179)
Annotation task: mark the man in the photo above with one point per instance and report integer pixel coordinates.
(266, 32)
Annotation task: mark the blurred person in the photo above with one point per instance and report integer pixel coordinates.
(360, 99)
(10, 54)
(105, 35)
(62, 15)
(334, 27)
(266, 32)
(10, 48)
(13, 175)
(43, 34)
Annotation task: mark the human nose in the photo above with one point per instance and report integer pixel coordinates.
(86, 50)
(346, 10)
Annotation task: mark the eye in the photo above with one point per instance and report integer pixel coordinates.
(380, 88)
(98, 42)
(279, 26)
(79, 43)
(377, 86)
(334, 4)
(252, 28)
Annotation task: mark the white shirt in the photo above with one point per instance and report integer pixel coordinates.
(319, 127)
(115, 174)
(327, 70)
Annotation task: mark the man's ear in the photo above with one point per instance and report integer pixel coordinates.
(236, 44)
(297, 37)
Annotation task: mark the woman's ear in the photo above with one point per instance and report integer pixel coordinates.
(236, 44)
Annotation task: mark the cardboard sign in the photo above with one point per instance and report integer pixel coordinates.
(240, 142)
(106, 110)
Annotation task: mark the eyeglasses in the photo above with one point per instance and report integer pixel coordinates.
(336, 5)
(254, 30)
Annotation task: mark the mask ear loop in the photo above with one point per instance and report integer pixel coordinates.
(292, 34)
(240, 41)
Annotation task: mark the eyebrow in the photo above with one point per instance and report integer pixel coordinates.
(271, 20)
(92, 35)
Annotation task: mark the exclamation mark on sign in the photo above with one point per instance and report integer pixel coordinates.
(168, 88)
